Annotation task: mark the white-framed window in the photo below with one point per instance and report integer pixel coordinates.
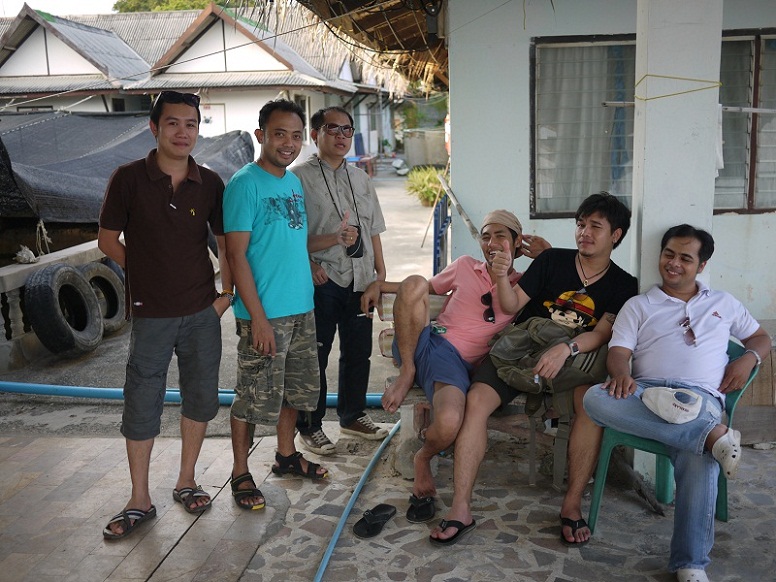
(581, 147)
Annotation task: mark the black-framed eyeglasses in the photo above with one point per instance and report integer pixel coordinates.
(488, 314)
(689, 334)
(176, 97)
(334, 129)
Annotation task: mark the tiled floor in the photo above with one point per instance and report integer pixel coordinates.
(57, 493)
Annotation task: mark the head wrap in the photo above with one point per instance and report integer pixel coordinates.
(503, 217)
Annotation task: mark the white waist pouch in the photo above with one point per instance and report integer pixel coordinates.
(674, 405)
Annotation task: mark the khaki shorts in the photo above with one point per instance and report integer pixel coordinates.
(291, 379)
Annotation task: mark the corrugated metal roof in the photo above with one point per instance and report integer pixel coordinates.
(104, 48)
(44, 85)
(5, 24)
(226, 80)
(305, 35)
(304, 43)
(151, 34)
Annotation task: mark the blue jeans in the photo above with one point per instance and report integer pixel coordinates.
(336, 310)
(695, 470)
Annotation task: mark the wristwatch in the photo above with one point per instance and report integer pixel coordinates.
(229, 295)
(573, 347)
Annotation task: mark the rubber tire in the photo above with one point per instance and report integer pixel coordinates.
(113, 266)
(109, 290)
(63, 310)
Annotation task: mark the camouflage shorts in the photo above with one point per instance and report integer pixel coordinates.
(291, 379)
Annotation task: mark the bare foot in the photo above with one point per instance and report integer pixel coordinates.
(424, 481)
(396, 392)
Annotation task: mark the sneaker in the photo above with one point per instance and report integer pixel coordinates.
(691, 575)
(727, 451)
(365, 428)
(318, 443)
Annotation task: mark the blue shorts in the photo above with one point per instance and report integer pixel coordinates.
(437, 360)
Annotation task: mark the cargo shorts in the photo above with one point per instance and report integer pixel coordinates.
(291, 379)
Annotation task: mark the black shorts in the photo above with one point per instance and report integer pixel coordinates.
(487, 374)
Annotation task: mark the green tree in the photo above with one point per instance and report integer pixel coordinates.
(161, 5)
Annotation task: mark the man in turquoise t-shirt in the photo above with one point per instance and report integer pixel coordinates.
(266, 245)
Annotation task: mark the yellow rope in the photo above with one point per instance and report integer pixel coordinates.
(711, 85)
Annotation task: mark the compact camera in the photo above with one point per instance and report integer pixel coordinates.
(356, 250)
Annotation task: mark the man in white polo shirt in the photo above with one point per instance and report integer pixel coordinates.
(676, 335)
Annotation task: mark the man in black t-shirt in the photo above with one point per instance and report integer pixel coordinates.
(582, 289)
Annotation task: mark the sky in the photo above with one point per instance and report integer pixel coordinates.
(58, 7)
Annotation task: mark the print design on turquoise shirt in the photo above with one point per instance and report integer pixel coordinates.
(290, 209)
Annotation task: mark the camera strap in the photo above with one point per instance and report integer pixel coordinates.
(331, 194)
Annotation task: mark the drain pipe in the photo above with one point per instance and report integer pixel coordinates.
(225, 397)
(349, 507)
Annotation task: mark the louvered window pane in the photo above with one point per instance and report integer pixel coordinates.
(736, 91)
(765, 183)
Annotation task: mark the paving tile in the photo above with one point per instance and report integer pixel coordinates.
(516, 537)
(15, 566)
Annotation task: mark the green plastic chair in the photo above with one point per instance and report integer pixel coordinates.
(664, 473)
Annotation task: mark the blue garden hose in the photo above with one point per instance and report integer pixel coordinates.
(346, 512)
(225, 397)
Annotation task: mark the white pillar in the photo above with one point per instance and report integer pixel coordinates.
(678, 46)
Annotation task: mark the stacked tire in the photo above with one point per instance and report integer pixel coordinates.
(70, 309)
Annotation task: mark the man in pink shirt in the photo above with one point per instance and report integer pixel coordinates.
(440, 357)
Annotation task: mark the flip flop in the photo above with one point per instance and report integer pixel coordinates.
(462, 531)
(373, 521)
(421, 509)
(188, 496)
(574, 524)
(125, 519)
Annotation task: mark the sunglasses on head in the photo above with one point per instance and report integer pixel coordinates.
(488, 314)
(176, 97)
(334, 129)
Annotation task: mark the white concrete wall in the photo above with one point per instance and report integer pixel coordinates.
(207, 54)
(242, 113)
(73, 102)
(489, 44)
(43, 54)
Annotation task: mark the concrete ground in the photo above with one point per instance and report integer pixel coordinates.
(63, 474)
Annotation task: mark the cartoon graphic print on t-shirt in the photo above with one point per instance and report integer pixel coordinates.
(573, 309)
